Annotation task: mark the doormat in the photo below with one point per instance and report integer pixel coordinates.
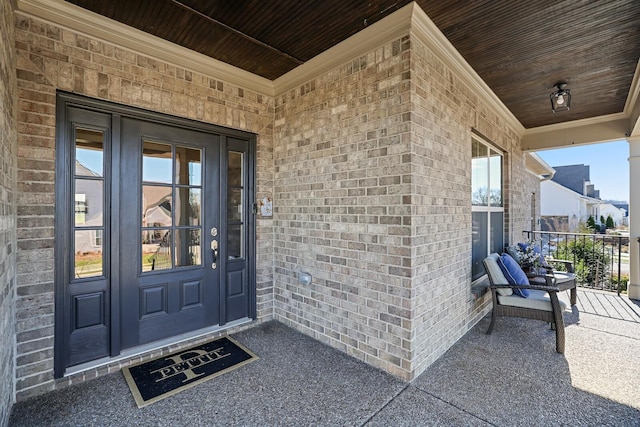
(167, 375)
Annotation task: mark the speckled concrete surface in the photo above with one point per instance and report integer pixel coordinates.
(511, 377)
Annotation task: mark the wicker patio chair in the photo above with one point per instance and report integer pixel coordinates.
(541, 304)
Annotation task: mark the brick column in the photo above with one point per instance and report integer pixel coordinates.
(634, 217)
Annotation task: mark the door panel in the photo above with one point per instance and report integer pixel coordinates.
(237, 217)
(170, 189)
(81, 227)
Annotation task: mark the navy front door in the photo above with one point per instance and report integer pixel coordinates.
(154, 229)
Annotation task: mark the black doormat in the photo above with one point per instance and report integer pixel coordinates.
(167, 375)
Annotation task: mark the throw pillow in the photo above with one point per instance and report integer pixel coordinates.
(514, 274)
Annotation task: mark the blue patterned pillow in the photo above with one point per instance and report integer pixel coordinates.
(514, 274)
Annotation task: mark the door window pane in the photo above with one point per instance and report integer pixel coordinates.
(88, 203)
(157, 163)
(89, 152)
(187, 247)
(235, 169)
(156, 206)
(188, 166)
(88, 260)
(234, 204)
(235, 241)
(156, 249)
(187, 209)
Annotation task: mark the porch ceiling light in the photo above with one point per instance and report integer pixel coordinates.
(561, 98)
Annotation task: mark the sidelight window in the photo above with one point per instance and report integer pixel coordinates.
(88, 203)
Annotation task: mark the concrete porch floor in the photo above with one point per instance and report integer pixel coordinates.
(511, 377)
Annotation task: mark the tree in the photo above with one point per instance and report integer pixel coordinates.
(602, 219)
(591, 223)
(590, 258)
(610, 223)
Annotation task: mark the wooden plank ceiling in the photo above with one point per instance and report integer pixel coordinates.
(519, 48)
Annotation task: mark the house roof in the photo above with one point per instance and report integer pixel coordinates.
(519, 49)
(573, 177)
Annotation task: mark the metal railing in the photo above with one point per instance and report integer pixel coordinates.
(601, 261)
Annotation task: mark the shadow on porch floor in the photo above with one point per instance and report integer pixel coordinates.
(511, 377)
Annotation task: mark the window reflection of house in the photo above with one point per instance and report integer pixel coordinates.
(89, 202)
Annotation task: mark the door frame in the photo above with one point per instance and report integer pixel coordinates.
(64, 153)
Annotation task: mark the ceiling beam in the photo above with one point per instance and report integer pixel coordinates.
(614, 127)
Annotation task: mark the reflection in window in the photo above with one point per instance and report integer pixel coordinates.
(81, 208)
(156, 162)
(188, 169)
(479, 174)
(171, 206)
(89, 153)
(156, 249)
(156, 205)
(88, 203)
(187, 247)
(88, 254)
(234, 241)
(235, 211)
(234, 204)
(187, 208)
(235, 168)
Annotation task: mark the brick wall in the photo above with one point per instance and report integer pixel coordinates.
(342, 207)
(8, 159)
(51, 58)
(373, 195)
(446, 111)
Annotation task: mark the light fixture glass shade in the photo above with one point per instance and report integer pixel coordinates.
(561, 98)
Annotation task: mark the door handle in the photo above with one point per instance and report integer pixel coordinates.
(214, 250)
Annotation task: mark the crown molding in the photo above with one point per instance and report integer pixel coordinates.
(91, 24)
(388, 29)
(428, 33)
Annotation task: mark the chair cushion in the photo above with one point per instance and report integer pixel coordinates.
(514, 274)
(497, 277)
(562, 277)
(538, 300)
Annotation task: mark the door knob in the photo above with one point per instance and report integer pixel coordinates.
(214, 249)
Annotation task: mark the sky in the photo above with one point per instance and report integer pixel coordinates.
(608, 166)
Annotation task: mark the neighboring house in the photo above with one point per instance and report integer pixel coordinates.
(576, 178)
(562, 208)
(569, 198)
(619, 215)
